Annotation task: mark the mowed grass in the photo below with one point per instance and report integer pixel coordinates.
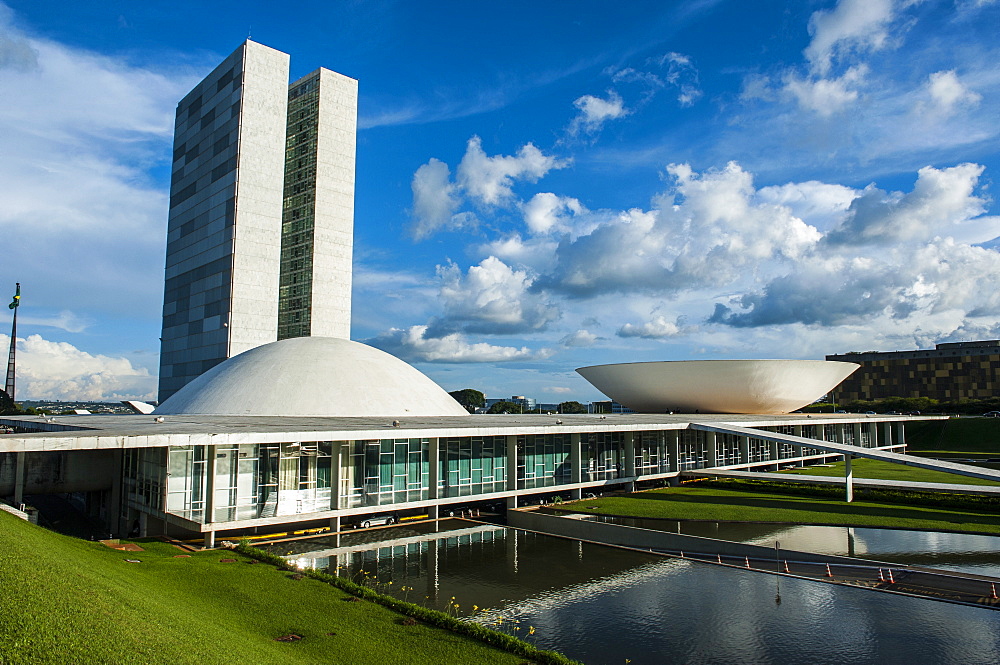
(875, 469)
(973, 436)
(703, 501)
(64, 600)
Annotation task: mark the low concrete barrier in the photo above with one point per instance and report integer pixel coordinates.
(630, 536)
(14, 511)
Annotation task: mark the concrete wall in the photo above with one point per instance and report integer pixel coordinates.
(629, 536)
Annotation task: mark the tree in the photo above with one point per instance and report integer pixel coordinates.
(505, 407)
(7, 405)
(572, 407)
(470, 398)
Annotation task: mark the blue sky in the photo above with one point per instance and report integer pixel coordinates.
(540, 186)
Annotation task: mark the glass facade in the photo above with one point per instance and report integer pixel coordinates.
(692, 449)
(472, 465)
(543, 460)
(651, 453)
(603, 456)
(299, 214)
(380, 472)
(255, 481)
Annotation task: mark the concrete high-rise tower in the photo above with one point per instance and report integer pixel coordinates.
(318, 223)
(261, 212)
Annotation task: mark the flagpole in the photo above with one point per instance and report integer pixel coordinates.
(9, 387)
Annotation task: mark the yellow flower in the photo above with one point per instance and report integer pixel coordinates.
(531, 630)
(475, 607)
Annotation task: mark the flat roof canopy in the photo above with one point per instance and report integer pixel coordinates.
(144, 431)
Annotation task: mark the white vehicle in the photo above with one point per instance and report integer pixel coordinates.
(376, 520)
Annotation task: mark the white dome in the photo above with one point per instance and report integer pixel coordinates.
(718, 386)
(312, 376)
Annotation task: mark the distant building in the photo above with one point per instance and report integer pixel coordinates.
(948, 373)
(608, 406)
(260, 230)
(527, 404)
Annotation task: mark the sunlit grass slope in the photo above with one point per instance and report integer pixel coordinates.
(64, 600)
(711, 501)
(878, 470)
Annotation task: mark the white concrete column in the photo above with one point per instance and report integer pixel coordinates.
(335, 524)
(209, 540)
(511, 470)
(857, 434)
(115, 504)
(848, 478)
(775, 448)
(629, 445)
(887, 433)
(901, 435)
(711, 449)
(744, 450)
(336, 449)
(576, 463)
(19, 465)
(797, 450)
(434, 464)
(210, 488)
(673, 449)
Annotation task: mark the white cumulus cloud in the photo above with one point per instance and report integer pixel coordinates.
(826, 97)
(595, 111)
(413, 345)
(59, 370)
(947, 93)
(657, 328)
(488, 180)
(851, 26)
(491, 298)
(545, 213)
(434, 200)
(579, 338)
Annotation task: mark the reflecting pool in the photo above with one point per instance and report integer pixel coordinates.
(605, 605)
(951, 551)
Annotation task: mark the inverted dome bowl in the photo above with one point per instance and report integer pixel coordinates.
(312, 376)
(718, 386)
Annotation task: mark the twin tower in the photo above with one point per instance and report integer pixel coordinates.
(260, 234)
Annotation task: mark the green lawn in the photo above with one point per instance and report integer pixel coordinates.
(867, 468)
(955, 435)
(64, 600)
(703, 501)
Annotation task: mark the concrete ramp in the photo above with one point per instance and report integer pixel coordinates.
(854, 451)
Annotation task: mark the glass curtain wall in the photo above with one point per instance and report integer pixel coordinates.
(692, 450)
(603, 456)
(727, 448)
(543, 460)
(651, 455)
(251, 480)
(387, 471)
(142, 481)
(472, 465)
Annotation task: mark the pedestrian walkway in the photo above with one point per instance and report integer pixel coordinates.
(963, 588)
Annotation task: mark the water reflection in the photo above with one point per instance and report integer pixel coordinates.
(603, 605)
(951, 551)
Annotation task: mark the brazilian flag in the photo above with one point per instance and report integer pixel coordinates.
(17, 298)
